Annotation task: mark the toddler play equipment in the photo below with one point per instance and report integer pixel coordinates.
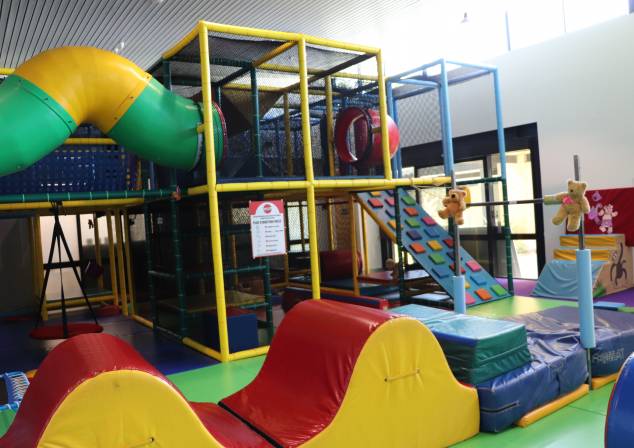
(619, 432)
(275, 89)
(62, 88)
(367, 142)
(429, 244)
(389, 385)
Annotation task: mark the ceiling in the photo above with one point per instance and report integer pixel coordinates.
(142, 29)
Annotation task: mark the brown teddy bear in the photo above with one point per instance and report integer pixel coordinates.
(454, 204)
(574, 205)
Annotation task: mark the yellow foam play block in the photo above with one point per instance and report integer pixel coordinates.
(541, 412)
(570, 254)
(591, 241)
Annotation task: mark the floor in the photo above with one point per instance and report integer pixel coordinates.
(168, 355)
(525, 287)
(578, 425)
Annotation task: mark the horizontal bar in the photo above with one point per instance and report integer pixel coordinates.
(6, 71)
(484, 180)
(89, 141)
(70, 204)
(251, 353)
(414, 70)
(285, 36)
(274, 53)
(489, 68)
(159, 274)
(312, 71)
(261, 186)
(57, 304)
(143, 321)
(202, 348)
(414, 93)
(82, 196)
(245, 270)
(417, 82)
(544, 201)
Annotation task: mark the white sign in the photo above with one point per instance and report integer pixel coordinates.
(268, 232)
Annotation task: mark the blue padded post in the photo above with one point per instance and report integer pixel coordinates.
(586, 308)
(459, 299)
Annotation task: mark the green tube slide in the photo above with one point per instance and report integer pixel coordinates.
(47, 97)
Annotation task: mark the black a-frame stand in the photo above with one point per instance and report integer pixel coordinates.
(58, 240)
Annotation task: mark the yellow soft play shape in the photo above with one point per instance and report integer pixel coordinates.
(402, 386)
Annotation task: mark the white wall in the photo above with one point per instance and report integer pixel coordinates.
(579, 89)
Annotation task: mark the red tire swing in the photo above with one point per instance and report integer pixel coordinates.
(366, 124)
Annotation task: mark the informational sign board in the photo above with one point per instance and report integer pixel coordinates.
(268, 231)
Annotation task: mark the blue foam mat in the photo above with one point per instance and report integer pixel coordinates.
(558, 279)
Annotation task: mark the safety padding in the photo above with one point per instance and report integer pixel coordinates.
(619, 431)
(96, 391)
(341, 375)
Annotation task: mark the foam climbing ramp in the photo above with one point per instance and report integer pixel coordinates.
(430, 244)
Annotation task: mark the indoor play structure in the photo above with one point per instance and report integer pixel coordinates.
(276, 115)
(389, 386)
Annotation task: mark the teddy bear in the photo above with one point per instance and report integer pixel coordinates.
(454, 204)
(607, 213)
(574, 205)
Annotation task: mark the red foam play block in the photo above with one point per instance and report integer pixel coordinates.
(483, 294)
(411, 211)
(417, 247)
(375, 203)
(428, 220)
(390, 202)
(469, 299)
(473, 265)
(453, 268)
(448, 242)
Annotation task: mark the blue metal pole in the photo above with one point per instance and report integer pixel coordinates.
(502, 151)
(391, 110)
(445, 118)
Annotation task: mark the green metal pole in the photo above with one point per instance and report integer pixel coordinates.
(84, 196)
(179, 275)
(150, 264)
(255, 116)
(257, 143)
(399, 243)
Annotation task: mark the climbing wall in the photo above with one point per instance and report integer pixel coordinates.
(430, 245)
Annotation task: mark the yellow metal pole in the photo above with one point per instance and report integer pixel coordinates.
(214, 219)
(310, 174)
(111, 260)
(89, 141)
(364, 232)
(287, 136)
(182, 43)
(6, 71)
(302, 230)
(353, 245)
(331, 156)
(281, 35)
(98, 258)
(128, 259)
(121, 262)
(385, 142)
(88, 203)
(273, 53)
